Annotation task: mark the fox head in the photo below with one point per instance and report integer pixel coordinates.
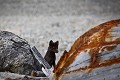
(53, 46)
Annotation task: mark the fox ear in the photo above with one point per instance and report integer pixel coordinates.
(57, 42)
(51, 42)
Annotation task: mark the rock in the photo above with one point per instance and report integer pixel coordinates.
(13, 76)
(95, 55)
(15, 54)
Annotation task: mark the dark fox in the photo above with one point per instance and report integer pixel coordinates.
(50, 56)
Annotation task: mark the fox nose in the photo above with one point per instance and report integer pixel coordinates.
(56, 51)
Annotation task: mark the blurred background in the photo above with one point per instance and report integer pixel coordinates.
(39, 21)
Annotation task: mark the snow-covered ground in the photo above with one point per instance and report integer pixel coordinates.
(39, 21)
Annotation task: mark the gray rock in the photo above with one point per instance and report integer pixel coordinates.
(14, 76)
(15, 54)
